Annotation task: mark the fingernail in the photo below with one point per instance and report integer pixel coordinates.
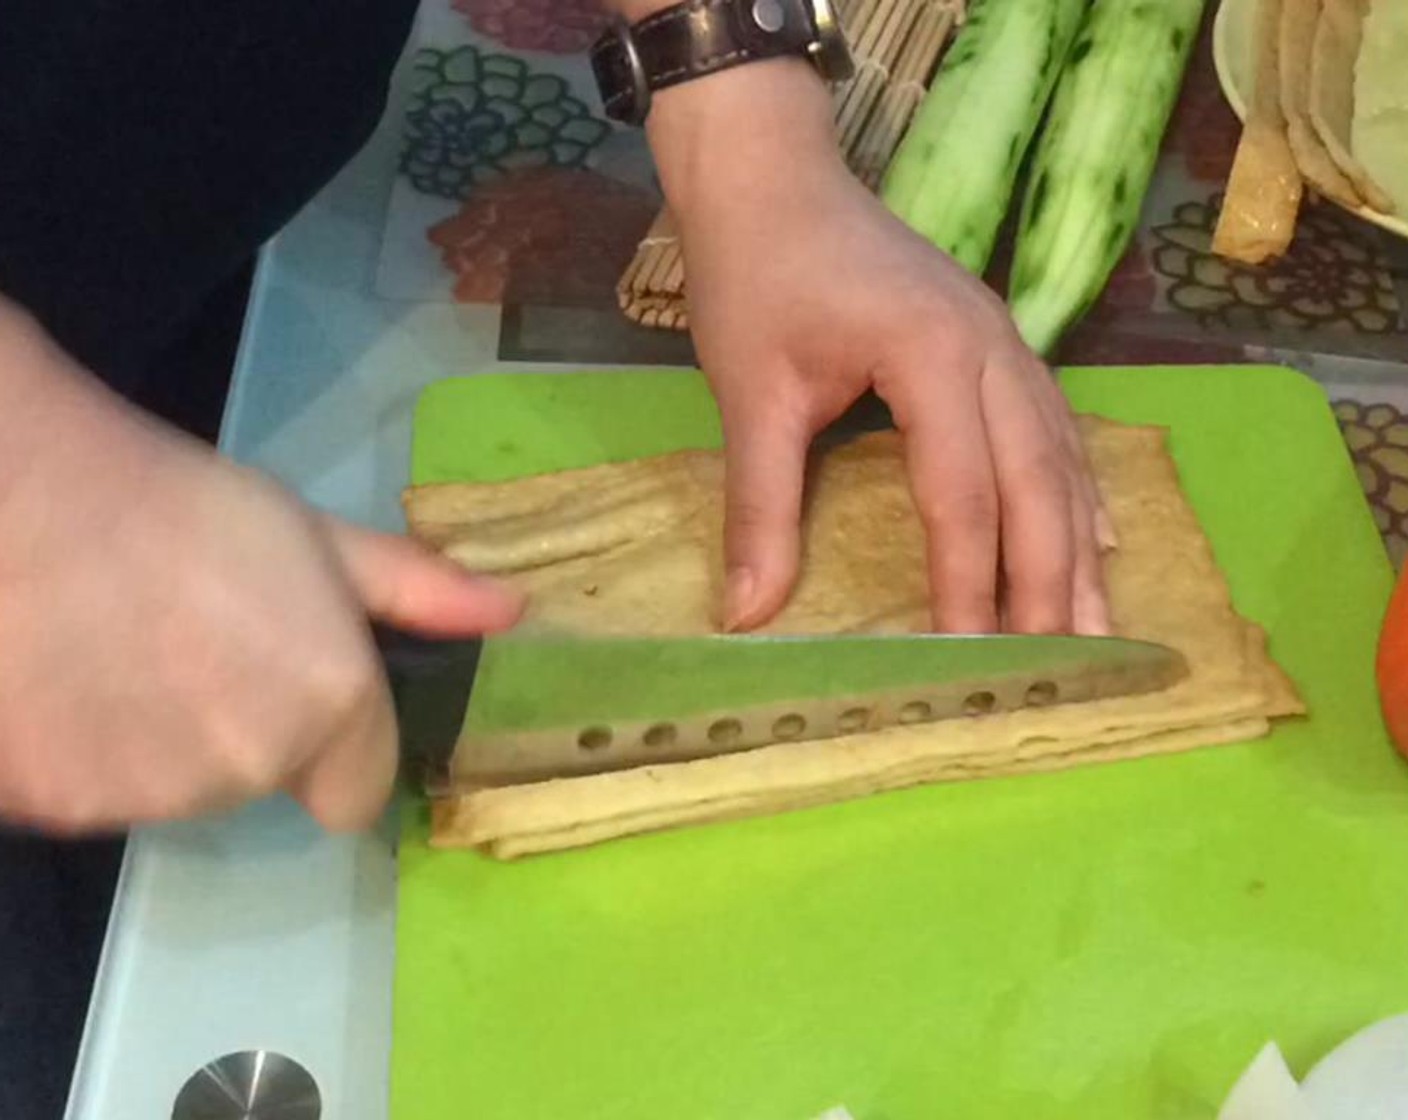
(738, 598)
(1105, 535)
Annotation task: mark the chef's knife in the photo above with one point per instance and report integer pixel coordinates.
(567, 705)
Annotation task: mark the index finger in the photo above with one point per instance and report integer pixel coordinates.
(765, 454)
(400, 582)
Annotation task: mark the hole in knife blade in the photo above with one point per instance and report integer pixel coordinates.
(789, 726)
(853, 719)
(661, 735)
(722, 732)
(1041, 694)
(916, 711)
(979, 704)
(594, 739)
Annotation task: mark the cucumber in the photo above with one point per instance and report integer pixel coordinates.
(1095, 157)
(953, 174)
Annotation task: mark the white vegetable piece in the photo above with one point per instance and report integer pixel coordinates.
(1266, 1091)
(1364, 1078)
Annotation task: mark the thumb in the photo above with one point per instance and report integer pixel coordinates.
(765, 453)
(407, 586)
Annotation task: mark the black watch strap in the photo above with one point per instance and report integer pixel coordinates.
(691, 40)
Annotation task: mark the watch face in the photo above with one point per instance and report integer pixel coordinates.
(698, 37)
(829, 51)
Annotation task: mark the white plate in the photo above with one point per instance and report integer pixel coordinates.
(1232, 56)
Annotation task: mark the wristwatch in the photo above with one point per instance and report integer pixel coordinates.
(699, 37)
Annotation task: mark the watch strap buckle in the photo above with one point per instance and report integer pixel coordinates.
(616, 55)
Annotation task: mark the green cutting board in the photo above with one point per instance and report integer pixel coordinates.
(1110, 942)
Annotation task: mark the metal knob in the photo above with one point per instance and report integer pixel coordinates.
(249, 1085)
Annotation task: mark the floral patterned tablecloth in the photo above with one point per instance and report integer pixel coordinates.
(514, 190)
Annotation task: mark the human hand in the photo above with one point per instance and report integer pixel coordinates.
(804, 293)
(177, 633)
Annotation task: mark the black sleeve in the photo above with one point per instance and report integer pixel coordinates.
(147, 148)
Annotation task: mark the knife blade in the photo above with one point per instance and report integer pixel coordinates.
(563, 705)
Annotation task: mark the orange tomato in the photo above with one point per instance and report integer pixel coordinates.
(1391, 668)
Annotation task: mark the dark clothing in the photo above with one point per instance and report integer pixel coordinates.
(147, 148)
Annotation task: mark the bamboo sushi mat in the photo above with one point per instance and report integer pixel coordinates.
(897, 45)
